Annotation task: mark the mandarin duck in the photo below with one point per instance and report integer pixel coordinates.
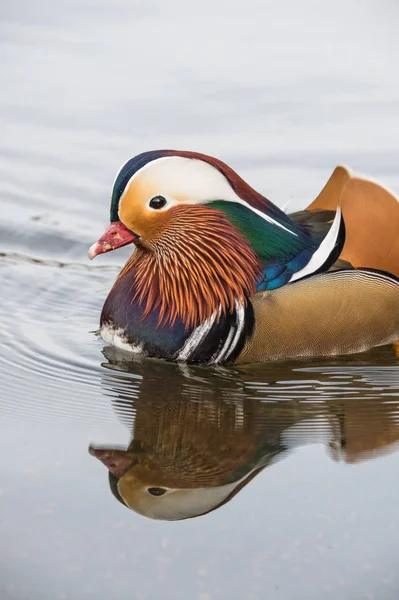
(220, 274)
(197, 444)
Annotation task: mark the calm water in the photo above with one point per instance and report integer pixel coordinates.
(295, 464)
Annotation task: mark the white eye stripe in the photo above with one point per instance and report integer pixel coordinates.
(199, 181)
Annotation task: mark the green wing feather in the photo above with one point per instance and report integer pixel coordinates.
(268, 240)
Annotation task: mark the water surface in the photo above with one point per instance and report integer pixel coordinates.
(288, 471)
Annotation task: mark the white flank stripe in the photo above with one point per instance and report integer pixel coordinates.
(323, 252)
(226, 345)
(193, 341)
(228, 349)
(240, 326)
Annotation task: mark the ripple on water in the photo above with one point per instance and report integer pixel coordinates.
(49, 355)
(53, 365)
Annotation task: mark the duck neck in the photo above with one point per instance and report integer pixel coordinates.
(144, 322)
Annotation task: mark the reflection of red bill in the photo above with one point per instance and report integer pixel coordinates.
(116, 461)
(115, 236)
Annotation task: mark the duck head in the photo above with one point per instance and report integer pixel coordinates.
(153, 183)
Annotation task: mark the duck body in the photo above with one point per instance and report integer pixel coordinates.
(221, 275)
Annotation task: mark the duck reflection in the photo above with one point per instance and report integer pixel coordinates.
(200, 435)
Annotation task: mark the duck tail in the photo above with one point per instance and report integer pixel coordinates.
(371, 216)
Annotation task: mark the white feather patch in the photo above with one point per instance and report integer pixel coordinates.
(117, 338)
(195, 180)
(195, 339)
(236, 331)
(323, 251)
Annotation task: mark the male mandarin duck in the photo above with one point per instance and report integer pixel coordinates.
(222, 275)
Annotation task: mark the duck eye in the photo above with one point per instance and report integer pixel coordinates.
(157, 202)
(156, 491)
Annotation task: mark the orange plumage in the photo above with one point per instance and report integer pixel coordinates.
(371, 215)
(198, 263)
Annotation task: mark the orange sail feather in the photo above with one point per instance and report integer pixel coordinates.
(371, 215)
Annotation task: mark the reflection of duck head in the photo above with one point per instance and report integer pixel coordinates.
(199, 438)
(150, 491)
(193, 449)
